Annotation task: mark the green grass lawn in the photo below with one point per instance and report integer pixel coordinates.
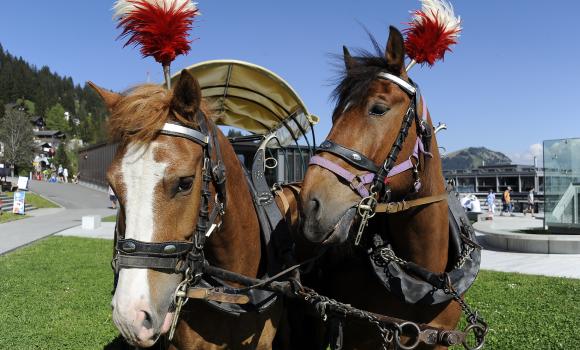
(55, 294)
(110, 218)
(36, 200)
(7, 217)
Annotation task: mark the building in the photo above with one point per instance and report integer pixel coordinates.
(562, 189)
(521, 178)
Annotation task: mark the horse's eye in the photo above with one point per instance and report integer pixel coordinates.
(185, 184)
(378, 109)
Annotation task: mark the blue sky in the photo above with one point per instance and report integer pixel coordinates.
(511, 82)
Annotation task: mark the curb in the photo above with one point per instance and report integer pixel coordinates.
(527, 243)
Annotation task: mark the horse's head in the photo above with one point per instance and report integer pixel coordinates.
(157, 177)
(374, 99)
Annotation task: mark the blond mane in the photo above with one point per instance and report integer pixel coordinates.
(141, 112)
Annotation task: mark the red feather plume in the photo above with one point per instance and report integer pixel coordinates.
(160, 29)
(431, 33)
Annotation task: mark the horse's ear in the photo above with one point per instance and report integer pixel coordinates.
(395, 51)
(348, 60)
(110, 98)
(186, 98)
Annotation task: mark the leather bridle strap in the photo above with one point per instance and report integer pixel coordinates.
(173, 129)
(396, 207)
(409, 88)
(350, 156)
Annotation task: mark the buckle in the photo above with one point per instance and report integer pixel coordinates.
(355, 182)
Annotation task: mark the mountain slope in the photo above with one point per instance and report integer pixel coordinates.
(473, 157)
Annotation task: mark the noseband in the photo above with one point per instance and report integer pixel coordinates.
(182, 256)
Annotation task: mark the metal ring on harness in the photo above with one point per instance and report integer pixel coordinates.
(479, 332)
(367, 204)
(275, 164)
(399, 331)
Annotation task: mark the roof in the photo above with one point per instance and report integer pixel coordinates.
(49, 133)
(252, 98)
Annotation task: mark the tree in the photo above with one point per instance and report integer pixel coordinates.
(17, 136)
(61, 156)
(55, 119)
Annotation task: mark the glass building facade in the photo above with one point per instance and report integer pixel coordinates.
(562, 185)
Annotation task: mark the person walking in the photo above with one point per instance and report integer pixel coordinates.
(59, 172)
(65, 175)
(530, 202)
(490, 200)
(507, 202)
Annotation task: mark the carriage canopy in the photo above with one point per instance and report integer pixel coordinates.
(254, 99)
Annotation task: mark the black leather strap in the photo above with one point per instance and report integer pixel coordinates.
(175, 265)
(162, 249)
(353, 157)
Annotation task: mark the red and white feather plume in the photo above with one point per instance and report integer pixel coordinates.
(431, 32)
(160, 27)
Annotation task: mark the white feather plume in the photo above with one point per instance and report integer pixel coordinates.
(124, 7)
(443, 12)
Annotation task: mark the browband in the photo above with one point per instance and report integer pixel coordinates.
(410, 89)
(182, 131)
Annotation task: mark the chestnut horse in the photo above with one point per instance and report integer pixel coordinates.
(162, 165)
(374, 98)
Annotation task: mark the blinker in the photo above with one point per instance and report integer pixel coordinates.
(129, 247)
(169, 249)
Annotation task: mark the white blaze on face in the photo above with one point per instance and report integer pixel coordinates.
(141, 175)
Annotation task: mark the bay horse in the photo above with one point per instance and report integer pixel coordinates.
(377, 104)
(172, 174)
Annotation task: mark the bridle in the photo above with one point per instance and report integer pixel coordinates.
(378, 175)
(184, 257)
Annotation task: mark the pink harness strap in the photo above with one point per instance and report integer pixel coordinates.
(362, 180)
(408, 164)
(358, 185)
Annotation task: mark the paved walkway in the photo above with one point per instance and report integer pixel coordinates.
(76, 201)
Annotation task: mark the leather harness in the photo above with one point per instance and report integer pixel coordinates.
(411, 282)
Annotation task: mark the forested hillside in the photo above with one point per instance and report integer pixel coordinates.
(47, 94)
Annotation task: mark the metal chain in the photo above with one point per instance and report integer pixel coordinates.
(463, 257)
(476, 322)
(323, 305)
(388, 255)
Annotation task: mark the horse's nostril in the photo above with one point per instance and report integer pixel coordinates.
(315, 207)
(315, 204)
(147, 321)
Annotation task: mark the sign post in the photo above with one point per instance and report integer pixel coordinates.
(18, 205)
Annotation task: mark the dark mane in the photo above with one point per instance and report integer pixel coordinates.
(353, 84)
(141, 113)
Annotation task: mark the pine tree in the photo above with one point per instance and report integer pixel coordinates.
(45, 89)
(61, 156)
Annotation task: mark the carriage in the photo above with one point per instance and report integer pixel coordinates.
(186, 232)
(259, 102)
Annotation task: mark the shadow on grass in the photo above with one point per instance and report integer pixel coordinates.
(119, 343)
